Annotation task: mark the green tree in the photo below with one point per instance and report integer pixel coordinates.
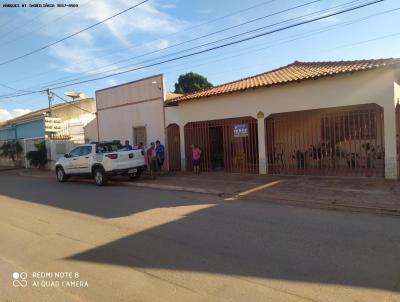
(191, 82)
(11, 149)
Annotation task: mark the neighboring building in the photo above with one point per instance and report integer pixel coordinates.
(320, 118)
(132, 111)
(74, 116)
(30, 129)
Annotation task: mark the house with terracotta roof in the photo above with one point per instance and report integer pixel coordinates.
(308, 118)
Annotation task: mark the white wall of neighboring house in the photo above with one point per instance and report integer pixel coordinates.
(75, 118)
(75, 126)
(342, 90)
(90, 131)
(397, 92)
(136, 104)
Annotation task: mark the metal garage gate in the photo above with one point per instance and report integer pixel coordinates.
(344, 141)
(229, 145)
(174, 147)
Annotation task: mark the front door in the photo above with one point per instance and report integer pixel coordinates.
(216, 148)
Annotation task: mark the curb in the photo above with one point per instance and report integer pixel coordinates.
(173, 188)
(9, 169)
(333, 205)
(34, 176)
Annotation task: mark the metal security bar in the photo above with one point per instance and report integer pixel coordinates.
(174, 148)
(340, 141)
(230, 145)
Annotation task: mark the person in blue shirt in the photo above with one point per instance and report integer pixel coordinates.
(127, 146)
(160, 151)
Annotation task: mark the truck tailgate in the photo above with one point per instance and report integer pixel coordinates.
(128, 159)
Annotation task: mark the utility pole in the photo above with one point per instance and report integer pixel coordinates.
(50, 97)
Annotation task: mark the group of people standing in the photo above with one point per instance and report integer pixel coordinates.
(155, 156)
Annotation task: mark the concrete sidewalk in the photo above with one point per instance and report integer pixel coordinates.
(350, 194)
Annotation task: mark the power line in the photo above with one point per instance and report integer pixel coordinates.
(182, 43)
(42, 25)
(71, 103)
(55, 82)
(15, 89)
(122, 49)
(25, 23)
(13, 19)
(217, 41)
(218, 47)
(231, 43)
(72, 35)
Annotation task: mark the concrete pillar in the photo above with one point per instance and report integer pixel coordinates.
(262, 162)
(389, 117)
(182, 142)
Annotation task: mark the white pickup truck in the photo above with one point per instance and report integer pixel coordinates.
(100, 161)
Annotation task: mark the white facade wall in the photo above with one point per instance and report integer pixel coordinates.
(135, 104)
(375, 86)
(118, 123)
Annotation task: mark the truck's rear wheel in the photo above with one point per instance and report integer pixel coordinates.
(61, 176)
(100, 177)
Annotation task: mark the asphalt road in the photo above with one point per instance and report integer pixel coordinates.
(79, 242)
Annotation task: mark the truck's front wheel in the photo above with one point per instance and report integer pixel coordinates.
(61, 176)
(100, 177)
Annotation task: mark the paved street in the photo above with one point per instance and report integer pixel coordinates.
(141, 244)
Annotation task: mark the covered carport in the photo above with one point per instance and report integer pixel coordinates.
(346, 141)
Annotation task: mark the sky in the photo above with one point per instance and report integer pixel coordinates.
(150, 33)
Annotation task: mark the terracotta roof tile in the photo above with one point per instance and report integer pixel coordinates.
(297, 71)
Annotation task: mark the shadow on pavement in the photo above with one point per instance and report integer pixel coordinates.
(253, 239)
(112, 201)
(243, 238)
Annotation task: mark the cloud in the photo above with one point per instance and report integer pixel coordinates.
(136, 31)
(87, 62)
(321, 7)
(6, 115)
(155, 45)
(111, 82)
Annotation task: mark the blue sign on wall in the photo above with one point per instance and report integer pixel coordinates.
(241, 130)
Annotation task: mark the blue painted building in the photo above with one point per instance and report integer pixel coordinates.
(19, 129)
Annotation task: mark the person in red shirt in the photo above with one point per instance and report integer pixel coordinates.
(196, 155)
(152, 160)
